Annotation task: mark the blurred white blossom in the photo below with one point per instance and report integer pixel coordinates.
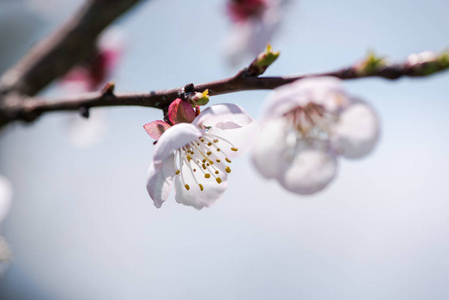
(306, 126)
(254, 24)
(6, 193)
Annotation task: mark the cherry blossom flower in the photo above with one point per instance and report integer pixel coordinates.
(254, 24)
(6, 192)
(306, 126)
(196, 152)
(91, 75)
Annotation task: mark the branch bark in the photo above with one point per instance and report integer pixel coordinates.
(28, 109)
(56, 54)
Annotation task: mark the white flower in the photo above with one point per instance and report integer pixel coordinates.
(6, 192)
(197, 156)
(306, 125)
(253, 27)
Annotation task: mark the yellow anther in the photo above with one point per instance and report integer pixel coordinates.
(204, 161)
(189, 157)
(219, 180)
(194, 170)
(209, 144)
(208, 165)
(234, 149)
(228, 160)
(201, 187)
(216, 141)
(204, 167)
(202, 140)
(207, 175)
(216, 172)
(218, 149)
(218, 161)
(177, 172)
(208, 153)
(187, 187)
(228, 170)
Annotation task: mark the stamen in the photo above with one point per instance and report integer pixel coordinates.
(201, 187)
(187, 187)
(234, 149)
(228, 160)
(207, 175)
(228, 170)
(177, 172)
(218, 161)
(216, 172)
(218, 180)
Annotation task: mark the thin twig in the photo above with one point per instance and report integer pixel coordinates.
(30, 108)
(56, 54)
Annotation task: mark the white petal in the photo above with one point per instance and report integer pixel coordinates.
(223, 116)
(270, 147)
(310, 171)
(6, 192)
(240, 138)
(160, 179)
(356, 132)
(194, 196)
(174, 138)
(326, 91)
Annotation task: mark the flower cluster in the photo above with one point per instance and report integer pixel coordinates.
(306, 126)
(194, 150)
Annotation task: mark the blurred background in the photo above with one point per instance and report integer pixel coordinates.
(82, 225)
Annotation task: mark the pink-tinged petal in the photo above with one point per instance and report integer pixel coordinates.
(325, 91)
(310, 171)
(6, 192)
(181, 111)
(156, 128)
(174, 138)
(270, 148)
(357, 131)
(223, 116)
(240, 138)
(212, 191)
(160, 180)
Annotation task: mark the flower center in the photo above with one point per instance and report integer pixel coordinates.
(204, 159)
(311, 122)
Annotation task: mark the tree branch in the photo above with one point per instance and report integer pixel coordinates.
(56, 54)
(30, 108)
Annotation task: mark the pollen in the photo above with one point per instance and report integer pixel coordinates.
(216, 141)
(218, 149)
(228, 170)
(187, 187)
(219, 180)
(189, 157)
(228, 160)
(234, 149)
(201, 187)
(208, 153)
(209, 144)
(216, 172)
(207, 175)
(177, 172)
(218, 161)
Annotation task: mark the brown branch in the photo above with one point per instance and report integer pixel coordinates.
(56, 54)
(30, 108)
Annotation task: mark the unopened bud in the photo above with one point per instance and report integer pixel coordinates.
(263, 61)
(200, 98)
(427, 62)
(371, 64)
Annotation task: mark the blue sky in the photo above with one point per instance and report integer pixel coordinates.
(83, 227)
